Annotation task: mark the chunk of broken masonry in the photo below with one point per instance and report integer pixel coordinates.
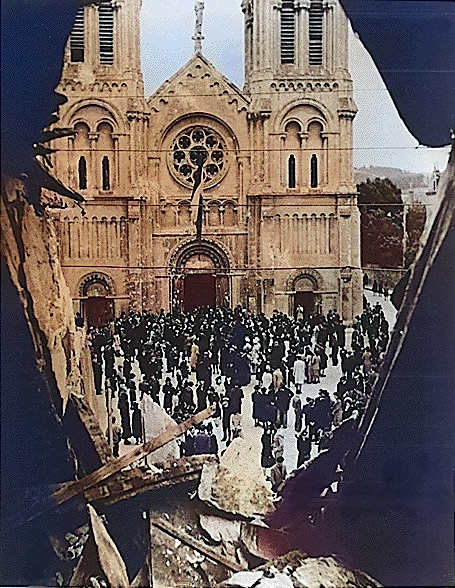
(296, 570)
(237, 484)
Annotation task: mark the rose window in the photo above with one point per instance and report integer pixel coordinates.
(196, 146)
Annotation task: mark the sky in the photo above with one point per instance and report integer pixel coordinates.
(380, 136)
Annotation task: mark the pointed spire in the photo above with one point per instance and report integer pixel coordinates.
(197, 37)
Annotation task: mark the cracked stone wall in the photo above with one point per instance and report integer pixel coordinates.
(29, 246)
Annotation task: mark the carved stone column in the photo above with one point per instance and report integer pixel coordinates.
(275, 57)
(346, 114)
(328, 35)
(302, 36)
(324, 180)
(302, 172)
(116, 162)
(94, 166)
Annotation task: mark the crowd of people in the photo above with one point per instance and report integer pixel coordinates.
(186, 362)
(376, 286)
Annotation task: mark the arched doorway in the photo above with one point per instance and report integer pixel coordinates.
(201, 277)
(305, 296)
(96, 300)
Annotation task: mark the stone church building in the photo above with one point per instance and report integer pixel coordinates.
(280, 219)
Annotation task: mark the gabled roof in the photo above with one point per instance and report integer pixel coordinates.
(210, 83)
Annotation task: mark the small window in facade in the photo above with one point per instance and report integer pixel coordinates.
(316, 17)
(106, 32)
(291, 171)
(77, 38)
(82, 173)
(314, 171)
(106, 174)
(287, 32)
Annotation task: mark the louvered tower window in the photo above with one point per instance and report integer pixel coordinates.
(315, 24)
(106, 31)
(77, 37)
(287, 32)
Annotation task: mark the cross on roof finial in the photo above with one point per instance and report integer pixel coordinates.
(197, 37)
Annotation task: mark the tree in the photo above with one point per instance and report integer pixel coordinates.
(415, 223)
(381, 218)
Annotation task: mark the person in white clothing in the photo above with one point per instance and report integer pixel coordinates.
(267, 377)
(299, 372)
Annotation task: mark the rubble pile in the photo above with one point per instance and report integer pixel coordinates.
(296, 570)
(203, 511)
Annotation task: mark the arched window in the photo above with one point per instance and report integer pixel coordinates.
(292, 145)
(287, 31)
(77, 37)
(105, 173)
(81, 140)
(82, 173)
(316, 16)
(291, 171)
(314, 171)
(106, 32)
(105, 145)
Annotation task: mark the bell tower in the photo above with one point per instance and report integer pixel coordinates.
(296, 68)
(300, 124)
(102, 81)
(294, 39)
(104, 45)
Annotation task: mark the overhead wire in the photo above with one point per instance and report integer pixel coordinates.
(223, 270)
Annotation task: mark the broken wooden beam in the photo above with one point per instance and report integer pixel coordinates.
(189, 540)
(72, 489)
(129, 483)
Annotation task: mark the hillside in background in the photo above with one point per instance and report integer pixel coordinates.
(401, 178)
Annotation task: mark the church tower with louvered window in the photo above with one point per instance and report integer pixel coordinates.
(301, 114)
(279, 221)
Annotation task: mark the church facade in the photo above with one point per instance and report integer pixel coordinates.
(280, 222)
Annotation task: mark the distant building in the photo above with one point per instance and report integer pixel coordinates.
(280, 217)
(423, 194)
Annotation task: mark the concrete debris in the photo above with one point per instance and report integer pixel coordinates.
(185, 565)
(97, 582)
(248, 538)
(326, 572)
(270, 579)
(156, 420)
(295, 570)
(237, 538)
(237, 484)
(222, 531)
(241, 557)
(70, 547)
(244, 579)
